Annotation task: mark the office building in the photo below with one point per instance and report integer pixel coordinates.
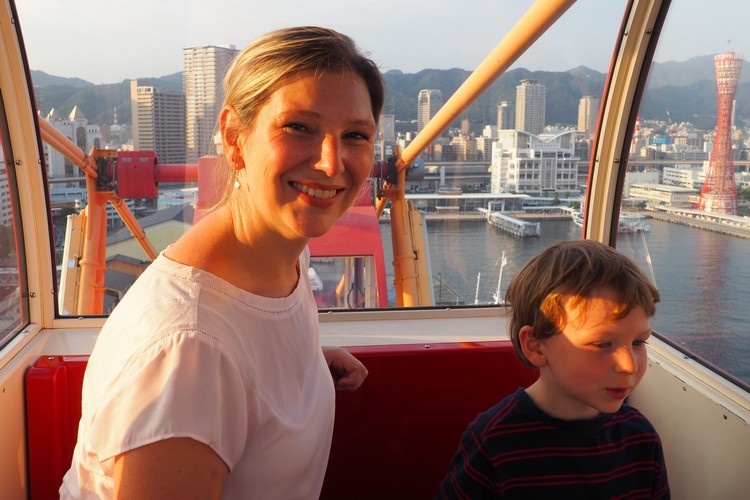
(534, 165)
(506, 116)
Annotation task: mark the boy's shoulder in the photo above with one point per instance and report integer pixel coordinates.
(516, 412)
(629, 417)
(513, 409)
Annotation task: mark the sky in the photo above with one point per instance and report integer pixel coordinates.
(145, 38)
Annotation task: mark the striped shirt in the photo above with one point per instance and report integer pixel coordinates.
(514, 450)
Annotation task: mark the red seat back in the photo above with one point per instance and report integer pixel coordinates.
(53, 409)
(393, 437)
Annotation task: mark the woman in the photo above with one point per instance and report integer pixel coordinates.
(208, 379)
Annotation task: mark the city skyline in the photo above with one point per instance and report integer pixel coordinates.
(399, 36)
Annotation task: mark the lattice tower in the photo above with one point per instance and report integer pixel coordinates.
(719, 193)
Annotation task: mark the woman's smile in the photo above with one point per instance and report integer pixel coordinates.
(313, 192)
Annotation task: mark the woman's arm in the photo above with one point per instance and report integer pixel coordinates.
(173, 468)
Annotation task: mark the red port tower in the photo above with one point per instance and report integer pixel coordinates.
(719, 193)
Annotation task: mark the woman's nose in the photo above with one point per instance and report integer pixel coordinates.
(330, 160)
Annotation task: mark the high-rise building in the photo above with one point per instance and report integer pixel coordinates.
(387, 125)
(719, 193)
(588, 112)
(386, 140)
(506, 117)
(158, 122)
(429, 102)
(6, 207)
(530, 104)
(204, 70)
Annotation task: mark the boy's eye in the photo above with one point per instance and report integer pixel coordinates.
(358, 135)
(639, 343)
(603, 345)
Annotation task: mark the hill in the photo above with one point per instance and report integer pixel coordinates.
(685, 90)
(43, 79)
(564, 89)
(97, 102)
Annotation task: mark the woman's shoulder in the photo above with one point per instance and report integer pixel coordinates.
(164, 284)
(164, 300)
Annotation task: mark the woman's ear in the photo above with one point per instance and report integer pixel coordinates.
(532, 347)
(229, 127)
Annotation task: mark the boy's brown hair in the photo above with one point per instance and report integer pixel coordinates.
(572, 270)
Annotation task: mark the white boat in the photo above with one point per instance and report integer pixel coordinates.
(627, 224)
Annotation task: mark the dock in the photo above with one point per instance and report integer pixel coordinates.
(513, 226)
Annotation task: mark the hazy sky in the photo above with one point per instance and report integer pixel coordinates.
(145, 38)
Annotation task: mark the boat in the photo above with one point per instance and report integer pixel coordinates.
(434, 361)
(627, 224)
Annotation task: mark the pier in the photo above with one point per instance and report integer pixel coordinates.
(516, 227)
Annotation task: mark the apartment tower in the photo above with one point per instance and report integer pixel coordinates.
(588, 112)
(530, 103)
(204, 70)
(429, 102)
(158, 122)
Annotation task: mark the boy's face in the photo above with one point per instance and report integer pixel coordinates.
(595, 362)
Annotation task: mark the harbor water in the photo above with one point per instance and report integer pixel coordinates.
(703, 276)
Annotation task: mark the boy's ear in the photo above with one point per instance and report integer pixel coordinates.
(532, 347)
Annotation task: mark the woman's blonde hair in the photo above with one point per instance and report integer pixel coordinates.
(571, 270)
(258, 70)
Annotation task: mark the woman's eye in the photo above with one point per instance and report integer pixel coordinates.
(295, 126)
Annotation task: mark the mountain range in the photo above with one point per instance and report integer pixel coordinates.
(676, 91)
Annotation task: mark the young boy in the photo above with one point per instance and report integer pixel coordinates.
(580, 315)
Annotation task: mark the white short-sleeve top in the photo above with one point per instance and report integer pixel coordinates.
(185, 354)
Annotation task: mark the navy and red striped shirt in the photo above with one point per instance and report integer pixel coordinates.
(515, 450)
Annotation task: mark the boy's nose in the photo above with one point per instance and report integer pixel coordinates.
(330, 160)
(625, 362)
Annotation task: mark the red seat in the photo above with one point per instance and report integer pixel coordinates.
(393, 437)
(53, 409)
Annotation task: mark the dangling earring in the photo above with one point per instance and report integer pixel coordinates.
(236, 179)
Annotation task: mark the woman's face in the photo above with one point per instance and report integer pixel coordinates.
(307, 154)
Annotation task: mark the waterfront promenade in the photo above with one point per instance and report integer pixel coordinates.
(716, 225)
(483, 216)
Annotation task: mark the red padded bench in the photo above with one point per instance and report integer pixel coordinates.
(393, 437)
(53, 409)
